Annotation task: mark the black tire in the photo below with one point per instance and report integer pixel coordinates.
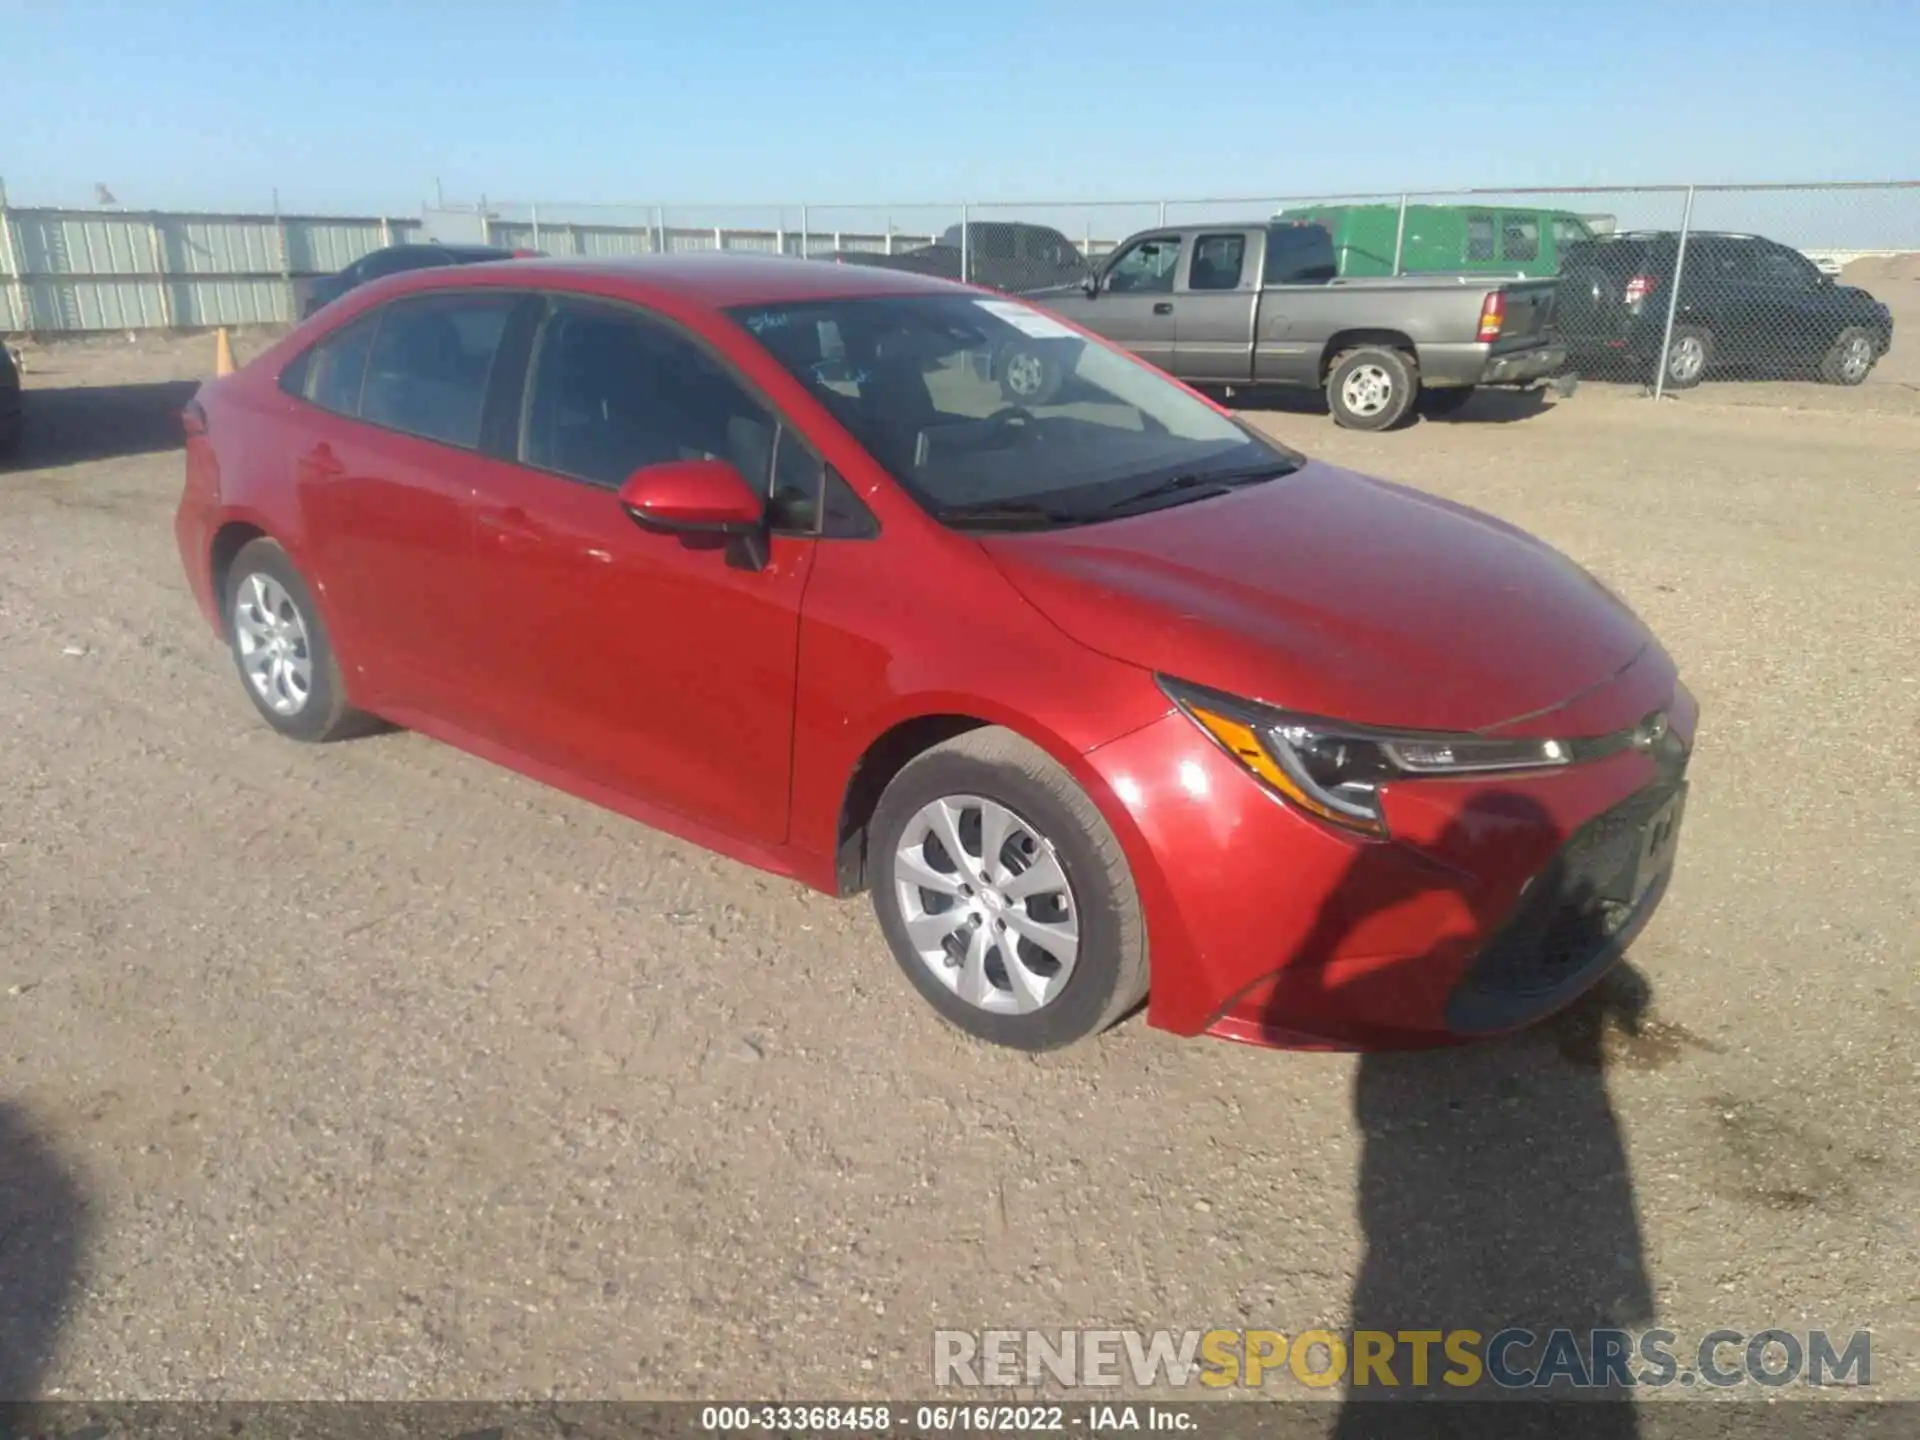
(1030, 376)
(1395, 379)
(1450, 400)
(1851, 357)
(1109, 973)
(1689, 355)
(324, 713)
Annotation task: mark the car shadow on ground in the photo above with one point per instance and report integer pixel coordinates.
(1494, 1190)
(44, 1227)
(69, 425)
(1486, 407)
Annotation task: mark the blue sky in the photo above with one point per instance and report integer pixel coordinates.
(355, 105)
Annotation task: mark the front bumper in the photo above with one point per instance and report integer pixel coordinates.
(1497, 901)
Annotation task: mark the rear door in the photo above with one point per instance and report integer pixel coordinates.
(1296, 270)
(1214, 306)
(1794, 313)
(1136, 304)
(382, 476)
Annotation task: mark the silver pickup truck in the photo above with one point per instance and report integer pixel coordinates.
(1260, 304)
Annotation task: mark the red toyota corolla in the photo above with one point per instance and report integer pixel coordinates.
(1103, 699)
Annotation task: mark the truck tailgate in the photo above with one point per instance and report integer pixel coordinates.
(1529, 313)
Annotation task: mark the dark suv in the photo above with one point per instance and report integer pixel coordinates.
(1744, 301)
(392, 259)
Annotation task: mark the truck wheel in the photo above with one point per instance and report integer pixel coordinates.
(1850, 360)
(1438, 404)
(1688, 356)
(1372, 388)
(1028, 376)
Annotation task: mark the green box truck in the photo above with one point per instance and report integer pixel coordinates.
(1449, 239)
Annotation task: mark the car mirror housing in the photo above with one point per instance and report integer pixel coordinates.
(694, 497)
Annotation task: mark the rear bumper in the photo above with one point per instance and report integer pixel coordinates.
(1478, 364)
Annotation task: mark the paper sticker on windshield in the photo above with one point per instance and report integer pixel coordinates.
(1027, 322)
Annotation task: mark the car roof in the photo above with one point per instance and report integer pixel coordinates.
(714, 280)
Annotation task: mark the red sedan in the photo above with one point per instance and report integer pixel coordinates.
(1105, 699)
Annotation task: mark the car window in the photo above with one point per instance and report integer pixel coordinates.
(1785, 268)
(991, 242)
(1479, 237)
(613, 391)
(919, 386)
(1723, 259)
(427, 372)
(1519, 237)
(1218, 261)
(392, 262)
(1300, 255)
(338, 365)
(1145, 267)
(1568, 232)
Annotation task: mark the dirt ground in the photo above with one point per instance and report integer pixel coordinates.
(370, 1070)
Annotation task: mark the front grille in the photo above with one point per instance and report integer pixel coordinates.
(1576, 905)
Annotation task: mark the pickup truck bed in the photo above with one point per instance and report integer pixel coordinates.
(1259, 304)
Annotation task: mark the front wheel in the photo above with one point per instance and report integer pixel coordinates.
(1004, 894)
(1372, 388)
(1850, 359)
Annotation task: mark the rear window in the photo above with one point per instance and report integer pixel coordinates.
(1479, 237)
(1615, 257)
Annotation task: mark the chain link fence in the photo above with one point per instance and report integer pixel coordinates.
(1666, 286)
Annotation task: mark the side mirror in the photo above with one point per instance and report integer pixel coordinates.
(693, 497)
(1091, 284)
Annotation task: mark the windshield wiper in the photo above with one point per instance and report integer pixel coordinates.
(1003, 514)
(1197, 485)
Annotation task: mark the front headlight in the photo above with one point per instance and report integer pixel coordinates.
(1335, 771)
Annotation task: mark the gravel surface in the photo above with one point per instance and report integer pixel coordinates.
(371, 1070)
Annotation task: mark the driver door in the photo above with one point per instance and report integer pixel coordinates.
(647, 663)
(1136, 304)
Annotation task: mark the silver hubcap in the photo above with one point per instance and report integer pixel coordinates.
(1367, 389)
(987, 905)
(274, 651)
(1688, 359)
(1025, 374)
(1857, 358)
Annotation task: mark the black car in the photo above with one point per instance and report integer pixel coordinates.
(1003, 255)
(1744, 301)
(395, 258)
(10, 413)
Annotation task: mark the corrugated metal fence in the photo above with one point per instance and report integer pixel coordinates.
(80, 270)
(114, 270)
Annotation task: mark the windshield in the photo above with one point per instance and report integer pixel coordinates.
(990, 412)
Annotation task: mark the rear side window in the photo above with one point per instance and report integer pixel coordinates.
(1218, 261)
(1479, 237)
(336, 367)
(427, 372)
(1300, 255)
(1567, 232)
(1519, 237)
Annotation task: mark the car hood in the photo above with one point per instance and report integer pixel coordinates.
(1338, 595)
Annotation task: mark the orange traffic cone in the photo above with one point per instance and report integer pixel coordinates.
(222, 352)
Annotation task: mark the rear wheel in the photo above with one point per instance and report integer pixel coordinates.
(1372, 388)
(1004, 895)
(281, 649)
(1850, 360)
(1028, 376)
(1688, 356)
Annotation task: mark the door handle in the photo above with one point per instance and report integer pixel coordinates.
(1163, 307)
(511, 527)
(320, 463)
